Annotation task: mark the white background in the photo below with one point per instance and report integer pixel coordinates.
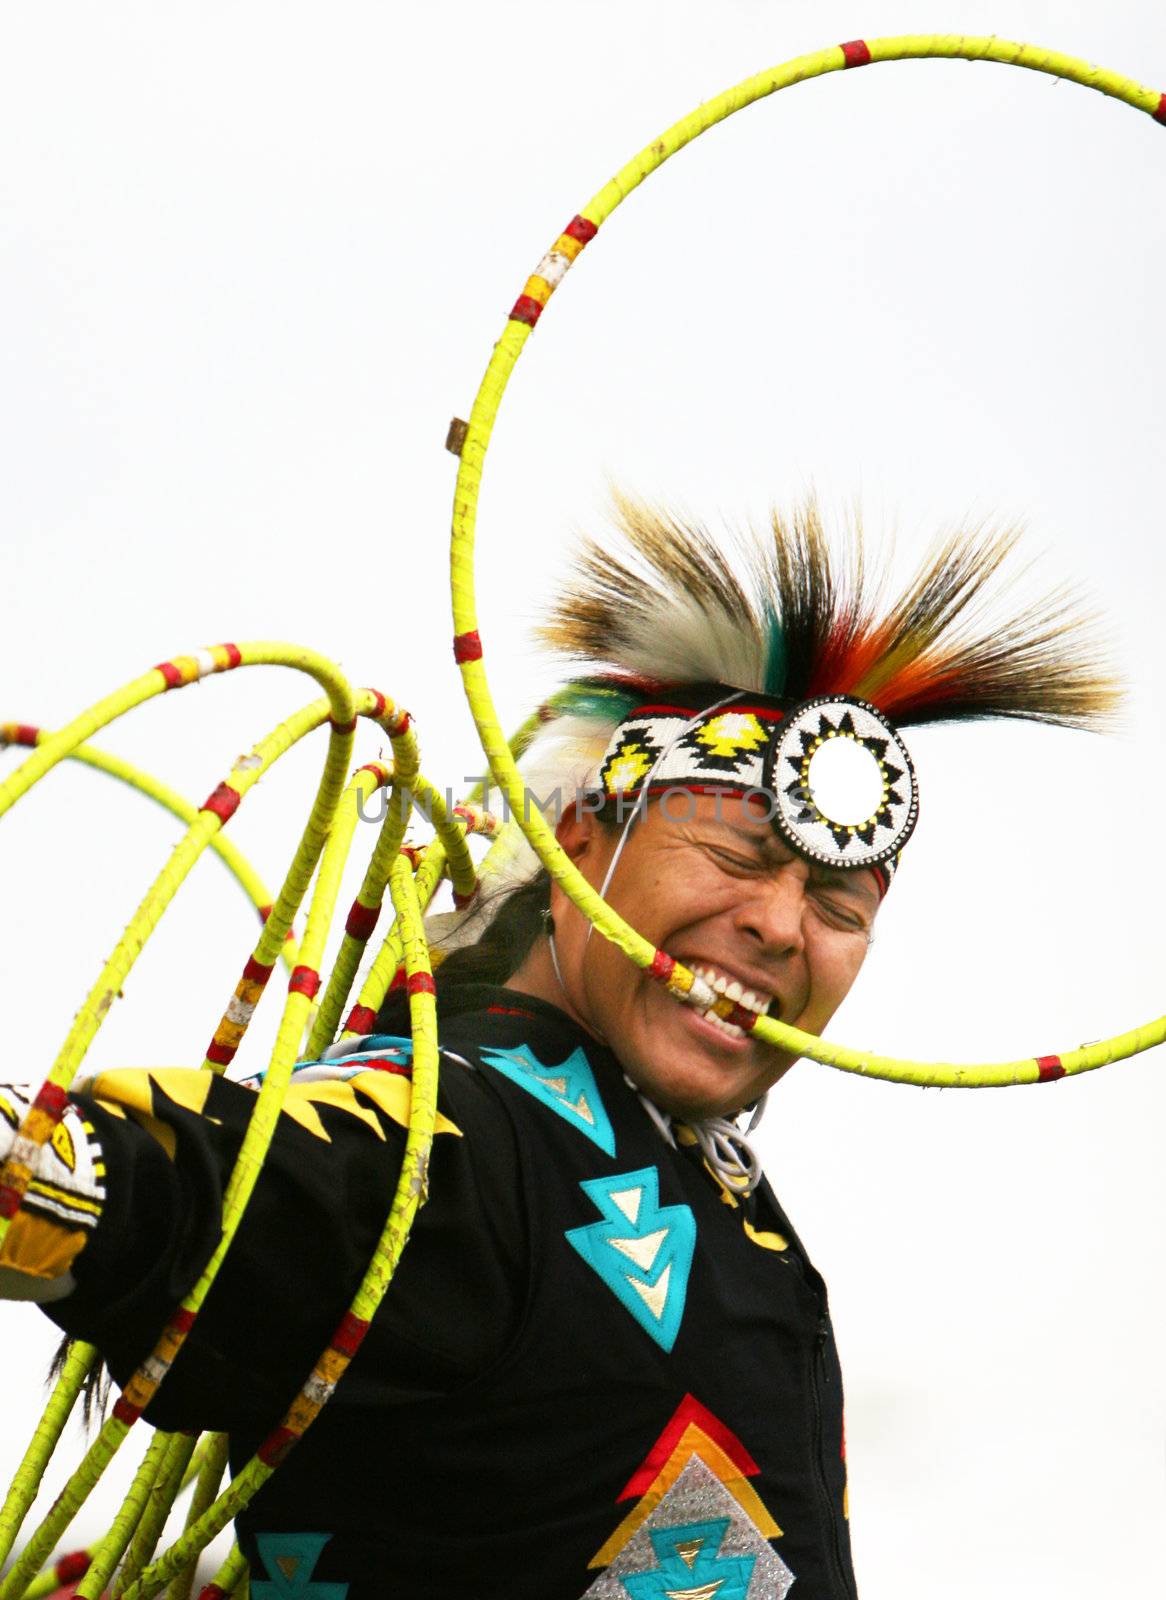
(252, 259)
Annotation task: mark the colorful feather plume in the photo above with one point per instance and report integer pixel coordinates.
(790, 617)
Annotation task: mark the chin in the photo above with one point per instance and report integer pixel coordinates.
(690, 1071)
(691, 1096)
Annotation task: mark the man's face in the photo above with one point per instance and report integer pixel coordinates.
(721, 893)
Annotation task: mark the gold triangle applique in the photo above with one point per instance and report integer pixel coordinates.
(688, 1550)
(654, 1295)
(642, 1251)
(582, 1109)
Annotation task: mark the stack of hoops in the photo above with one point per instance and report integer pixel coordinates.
(124, 1560)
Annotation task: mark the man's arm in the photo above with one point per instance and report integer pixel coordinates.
(161, 1146)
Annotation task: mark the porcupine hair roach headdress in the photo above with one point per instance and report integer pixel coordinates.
(743, 665)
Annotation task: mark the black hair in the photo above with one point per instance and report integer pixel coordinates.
(508, 938)
(515, 919)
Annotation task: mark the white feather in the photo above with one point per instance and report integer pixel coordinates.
(675, 638)
(561, 761)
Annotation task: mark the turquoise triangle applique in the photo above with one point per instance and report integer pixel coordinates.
(290, 1559)
(690, 1564)
(568, 1088)
(641, 1249)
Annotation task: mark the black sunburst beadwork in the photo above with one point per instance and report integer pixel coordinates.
(805, 826)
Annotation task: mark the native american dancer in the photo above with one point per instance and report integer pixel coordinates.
(606, 1365)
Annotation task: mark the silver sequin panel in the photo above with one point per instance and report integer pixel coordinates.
(697, 1496)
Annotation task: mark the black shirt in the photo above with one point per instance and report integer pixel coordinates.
(596, 1372)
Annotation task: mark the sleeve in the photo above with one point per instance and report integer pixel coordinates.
(169, 1139)
(63, 1199)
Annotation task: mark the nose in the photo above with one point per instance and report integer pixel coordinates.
(771, 913)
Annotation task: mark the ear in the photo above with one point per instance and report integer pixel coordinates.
(578, 833)
(588, 846)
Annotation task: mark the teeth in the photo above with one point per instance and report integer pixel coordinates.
(734, 991)
(730, 1029)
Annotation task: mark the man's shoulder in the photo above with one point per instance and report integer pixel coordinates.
(483, 1027)
(380, 1066)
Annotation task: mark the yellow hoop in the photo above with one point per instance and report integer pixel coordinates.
(467, 642)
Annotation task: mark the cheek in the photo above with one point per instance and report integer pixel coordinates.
(692, 894)
(833, 968)
(662, 903)
(615, 985)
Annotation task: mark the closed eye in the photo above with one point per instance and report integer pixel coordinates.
(835, 901)
(840, 910)
(733, 862)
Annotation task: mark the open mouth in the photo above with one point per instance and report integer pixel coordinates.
(760, 1002)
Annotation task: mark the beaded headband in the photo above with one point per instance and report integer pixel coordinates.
(835, 778)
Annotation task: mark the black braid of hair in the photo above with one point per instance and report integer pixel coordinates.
(506, 941)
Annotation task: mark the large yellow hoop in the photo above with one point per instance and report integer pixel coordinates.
(473, 445)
